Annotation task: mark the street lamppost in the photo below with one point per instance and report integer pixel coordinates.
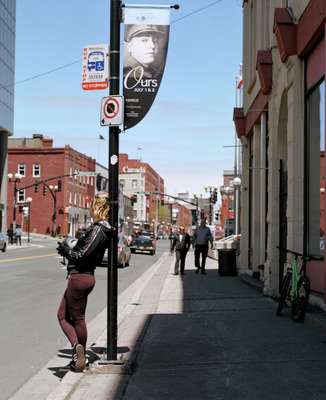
(212, 190)
(28, 203)
(15, 178)
(197, 208)
(171, 202)
(237, 185)
(54, 190)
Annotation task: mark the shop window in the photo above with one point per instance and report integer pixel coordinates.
(315, 158)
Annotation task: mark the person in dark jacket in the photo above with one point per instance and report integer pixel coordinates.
(83, 256)
(181, 244)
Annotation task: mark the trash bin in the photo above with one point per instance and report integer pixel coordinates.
(227, 263)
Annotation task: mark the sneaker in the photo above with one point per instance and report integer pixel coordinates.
(78, 362)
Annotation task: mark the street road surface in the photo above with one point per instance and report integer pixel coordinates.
(32, 282)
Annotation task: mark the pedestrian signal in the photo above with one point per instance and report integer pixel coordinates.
(36, 187)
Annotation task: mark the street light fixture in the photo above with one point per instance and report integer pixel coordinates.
(15, 178)
(212, 190)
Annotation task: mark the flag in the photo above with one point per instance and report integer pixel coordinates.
(143, 70)
(101, 137)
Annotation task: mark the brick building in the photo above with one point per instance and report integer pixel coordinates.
(227, 203)
(138, 177)
(36, 160)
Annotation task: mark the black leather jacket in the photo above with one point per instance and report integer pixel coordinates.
(89, 249)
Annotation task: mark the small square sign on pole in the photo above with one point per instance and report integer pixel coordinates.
(95, 67)
(112, 111)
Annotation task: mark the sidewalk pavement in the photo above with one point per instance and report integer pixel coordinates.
(204, 337)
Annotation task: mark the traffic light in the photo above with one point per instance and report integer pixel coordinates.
(99, 182)
(217, 216)
(20, 208)
(162, 203)
(213, 198)
(36, 187)
(133, 199)
(45, 190)
(59, 184)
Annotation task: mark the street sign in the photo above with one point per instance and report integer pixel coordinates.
(112, 110)
(95, 67)
(85, 173)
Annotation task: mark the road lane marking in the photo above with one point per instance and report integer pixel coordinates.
(27, 258)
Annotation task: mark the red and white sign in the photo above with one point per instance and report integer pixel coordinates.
(95, 67)
(112, 111)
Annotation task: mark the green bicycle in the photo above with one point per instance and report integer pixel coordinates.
(295, 286)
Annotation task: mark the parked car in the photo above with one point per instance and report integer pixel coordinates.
(143, 244)
(124, 253)
(3, 242)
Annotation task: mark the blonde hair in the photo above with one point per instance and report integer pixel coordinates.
(100, 207)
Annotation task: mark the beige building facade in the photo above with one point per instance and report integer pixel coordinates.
(282, 129)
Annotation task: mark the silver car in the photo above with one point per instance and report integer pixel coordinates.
(124, 253)
(3, 242)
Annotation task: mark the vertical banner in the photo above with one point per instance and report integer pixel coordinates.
(145, 49)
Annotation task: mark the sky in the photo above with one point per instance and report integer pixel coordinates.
(183, 135)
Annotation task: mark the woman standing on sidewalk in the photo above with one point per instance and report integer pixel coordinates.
(82, 261)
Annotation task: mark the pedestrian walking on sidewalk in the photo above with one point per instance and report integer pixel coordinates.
(181, 244)
(18, 235)
(83, 258)
(10, 234)
(201, 238)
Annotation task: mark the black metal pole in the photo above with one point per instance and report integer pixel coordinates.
(210, 206)
(29, 223)
(54, 215)
(112, 280)
(14, 210)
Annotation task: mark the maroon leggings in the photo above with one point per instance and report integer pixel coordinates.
(71, 312)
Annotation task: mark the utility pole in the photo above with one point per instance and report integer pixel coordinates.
(113, 167)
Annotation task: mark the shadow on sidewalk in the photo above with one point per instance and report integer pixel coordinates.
(214, 337)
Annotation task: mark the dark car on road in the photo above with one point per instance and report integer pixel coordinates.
(143, 244)
(3, 242)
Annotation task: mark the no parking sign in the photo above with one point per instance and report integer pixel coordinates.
(112, 111)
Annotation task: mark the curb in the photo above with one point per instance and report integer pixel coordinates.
(249, 280)
(70, 383)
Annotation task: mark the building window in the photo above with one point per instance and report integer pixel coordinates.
(315, 166)
(21, 196)
(70, 197)
(22, 169)
(92, 181)
(134, 184)
(75, 199)
(36, 170)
